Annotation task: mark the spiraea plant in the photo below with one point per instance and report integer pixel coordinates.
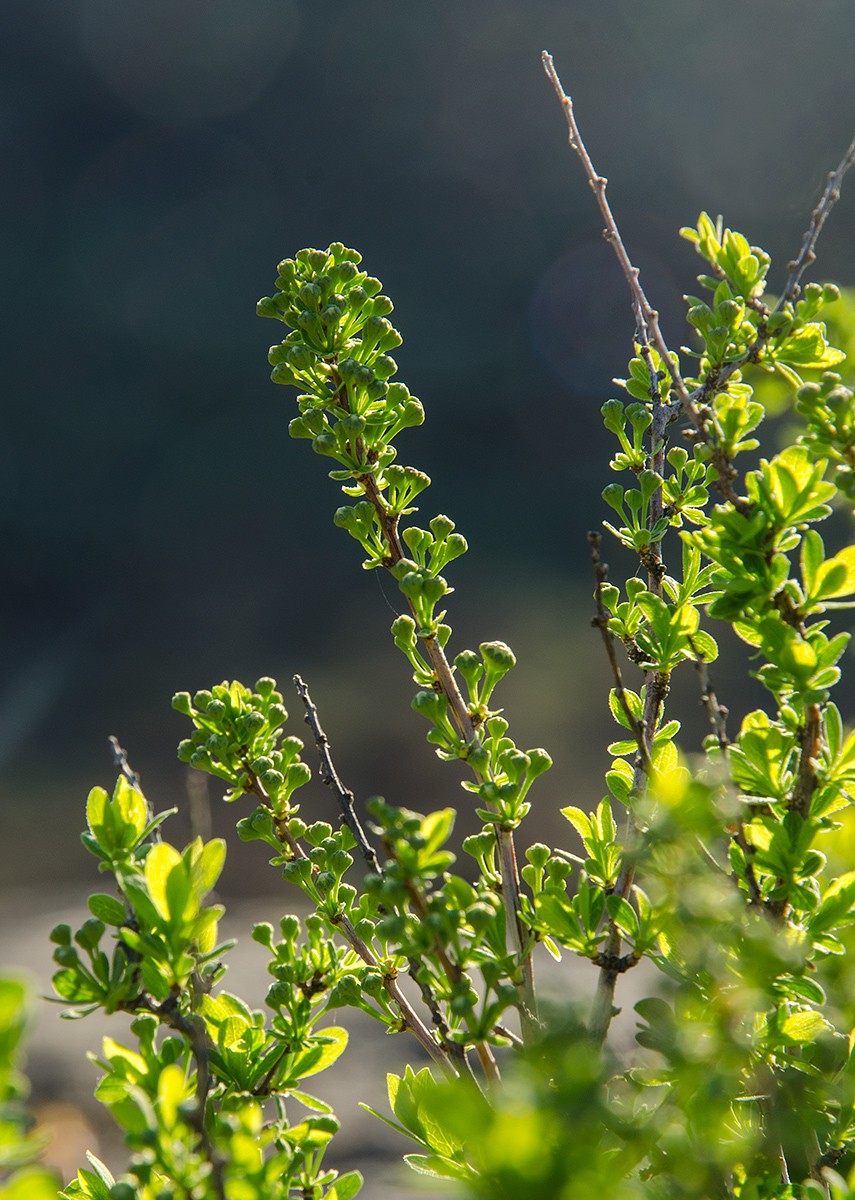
(728, 868)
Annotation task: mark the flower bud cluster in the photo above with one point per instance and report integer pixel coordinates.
(238, 738)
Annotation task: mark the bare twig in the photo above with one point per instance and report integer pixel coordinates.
(817, 219)
(329, 775)
(646, 313)
(409, 1016)
(331, 778)
(601, 622)
(120, 759)
(716, 712)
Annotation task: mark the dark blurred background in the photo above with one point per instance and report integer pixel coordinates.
(159, 529)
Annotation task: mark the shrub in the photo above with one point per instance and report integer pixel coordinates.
(730, 871)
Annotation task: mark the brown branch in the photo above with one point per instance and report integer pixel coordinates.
(601, 622)
(330, 777)
(603, 1008)
(754, 892)
(806, 780)
(120, 759)
(648, 314)
(817, 219)
(716, 712)
(409, 1017)
(466, 726)
(280, 823)
(193, 1028)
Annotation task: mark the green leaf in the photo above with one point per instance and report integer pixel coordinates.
(581, 821)
(345, 1186)
(159, 862)
(107, 909)
(623, 914)
(334, 1044)
(310, 1101)
(803, 1027)
(434, 1165)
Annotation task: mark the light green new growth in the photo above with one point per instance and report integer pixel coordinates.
(731, 873)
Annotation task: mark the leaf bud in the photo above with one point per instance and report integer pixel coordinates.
(317, 260)
(372, 981)
(181, 703)
(297, 870)
(372, 285)
(830, 293)
(431, 705)
(613, 416)
(202, 700)
(61, 935)
(267, 307)
(310, 294)
(262, 932)
(539, 761)
(639, 416)
(613, 496)
(325, 881)
(441, 526)
(186, 750)
(272, 780)
(325, 443)
(122, 1190)
(384, 367)
(357, 296)
(300, 357)
(538, 855)
(346, 993)
(498, 656)
(382, 306)
(404, 631)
